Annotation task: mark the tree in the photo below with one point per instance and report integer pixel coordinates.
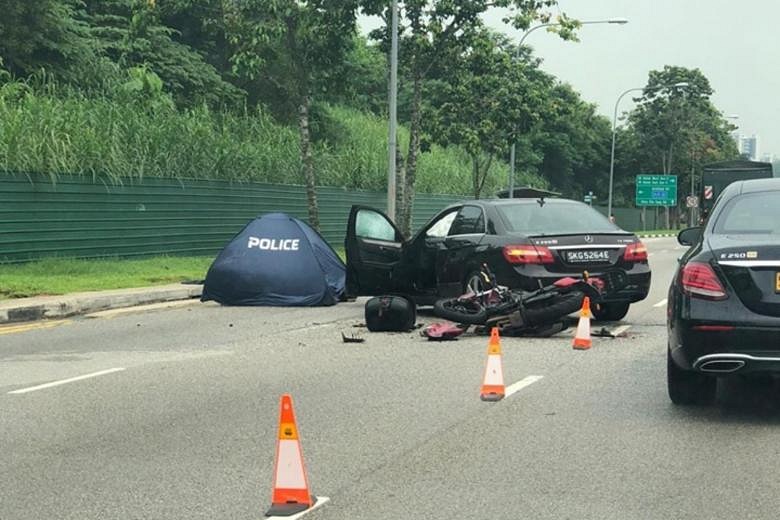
(364, 78)
(131, 33)
(665, 114)
(43, 35)
(482, 101)
(200, 24)
(574, 142)
(432, 31)
(297, 47)
(676, 129)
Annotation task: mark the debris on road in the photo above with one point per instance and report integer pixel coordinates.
(443, 331)
(352, 338)
(619, 332)
(603, 333)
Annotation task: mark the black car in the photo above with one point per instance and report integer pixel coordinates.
(528, 243)
(724, 301)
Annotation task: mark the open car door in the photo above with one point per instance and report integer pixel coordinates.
(373, 246)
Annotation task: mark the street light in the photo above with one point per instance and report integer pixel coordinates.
(617, 21)
(393, 109)
(681, 84)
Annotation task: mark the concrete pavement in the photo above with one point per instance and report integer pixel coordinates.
(391, 428)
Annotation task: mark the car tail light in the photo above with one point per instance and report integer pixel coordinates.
(699, 280)
(636, 252)
(528, 254)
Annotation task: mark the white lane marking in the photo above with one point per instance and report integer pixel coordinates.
(321, 501)
(516, 387)
(66, 381)
(620, 330)
(661, 303)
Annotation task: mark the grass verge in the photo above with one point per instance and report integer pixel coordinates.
(61, 275)
(54, 276)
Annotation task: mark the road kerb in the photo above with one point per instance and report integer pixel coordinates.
(56, 307)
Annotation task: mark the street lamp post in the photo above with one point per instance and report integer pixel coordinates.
(393, 109)
(614, 133)
(618, 21)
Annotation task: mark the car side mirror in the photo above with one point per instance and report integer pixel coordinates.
(689, 236)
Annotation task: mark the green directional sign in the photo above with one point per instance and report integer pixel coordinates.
(656, 190)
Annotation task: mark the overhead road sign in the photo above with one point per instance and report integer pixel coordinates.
(656, 190)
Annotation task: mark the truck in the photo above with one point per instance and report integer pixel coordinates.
(716, 176)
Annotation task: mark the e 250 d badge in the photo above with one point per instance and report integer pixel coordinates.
(739, 255)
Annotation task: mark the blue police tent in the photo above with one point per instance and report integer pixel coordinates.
(276, 260)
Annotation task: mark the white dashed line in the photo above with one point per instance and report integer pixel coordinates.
(66, 381)
(321, 501)
(661, 303)
(516, 387)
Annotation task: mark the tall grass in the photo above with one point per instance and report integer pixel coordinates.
(358, 159)
(114, 139)
(108, 139)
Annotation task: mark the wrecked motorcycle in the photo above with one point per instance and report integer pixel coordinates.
(526, 313)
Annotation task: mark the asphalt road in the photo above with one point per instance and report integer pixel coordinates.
(391, 428)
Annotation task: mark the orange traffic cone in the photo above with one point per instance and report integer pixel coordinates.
(582, 339)
(291, 487)
(493, 382)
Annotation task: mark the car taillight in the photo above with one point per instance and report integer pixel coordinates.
(528, 254)
(699, 280)
(636, 252)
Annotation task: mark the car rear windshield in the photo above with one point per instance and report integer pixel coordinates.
(555, 218)
(752, 213)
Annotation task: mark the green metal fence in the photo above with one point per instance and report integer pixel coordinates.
(631, 218)
(76, 217)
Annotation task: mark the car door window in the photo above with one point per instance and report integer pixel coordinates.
(470, 220)
(441, 227)
(373, 225)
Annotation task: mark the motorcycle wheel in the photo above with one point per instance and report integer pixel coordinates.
(545, 312)
(469, 312)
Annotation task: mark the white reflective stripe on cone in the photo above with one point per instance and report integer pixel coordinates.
(493, 373)
(289, 472)
(583, 329)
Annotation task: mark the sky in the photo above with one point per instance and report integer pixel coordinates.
(733, 43)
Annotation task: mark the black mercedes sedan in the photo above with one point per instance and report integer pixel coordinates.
(527, 242)
(724, 301)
